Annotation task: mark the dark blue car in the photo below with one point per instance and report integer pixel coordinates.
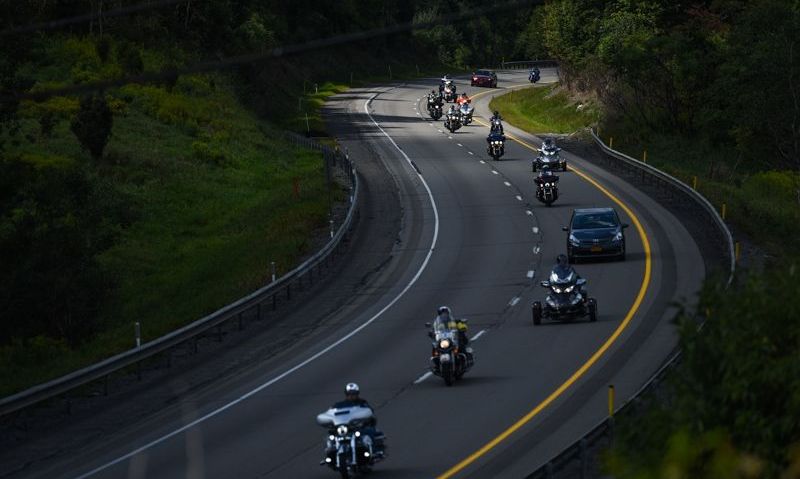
(595, 232)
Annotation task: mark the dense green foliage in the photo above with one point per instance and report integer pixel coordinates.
(731, 407)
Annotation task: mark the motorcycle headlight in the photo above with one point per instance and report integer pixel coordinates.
(569, 288)
(331, 437)
(444, 343)
(341, 430)
(358, 433)
(573, 240)
(556, 289)
(547, 184)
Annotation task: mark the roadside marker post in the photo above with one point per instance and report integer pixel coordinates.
(272, 266)
(738, 251)
(610, 400)
(611, 142)
(724, 210)
(644, 156)
(694, 182)
(137, 329)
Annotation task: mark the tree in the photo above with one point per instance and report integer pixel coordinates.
(92, 124)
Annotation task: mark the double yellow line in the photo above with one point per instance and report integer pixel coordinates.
(597, 354)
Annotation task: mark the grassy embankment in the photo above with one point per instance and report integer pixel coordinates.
(762, 204)
(210, 187)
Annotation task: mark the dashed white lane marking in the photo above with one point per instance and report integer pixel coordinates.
(530, 274)
(519, 198)
(507, 183)
(535, 230)
(418, 113)
(536, 250)
(459, 144)
(482, 162)
(495, 172)
(480, 333)
(423, 377)
(440, 131)
(514, 301)
(529, 213)
(471, 153)
(449, 137)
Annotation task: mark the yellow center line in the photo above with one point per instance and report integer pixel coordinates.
(597, 354)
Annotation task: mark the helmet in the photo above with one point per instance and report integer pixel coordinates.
(561, 260)
(496, 113)
(443, 310)
(351, 389)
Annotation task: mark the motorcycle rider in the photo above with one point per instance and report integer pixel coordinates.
(499, 122)
(463, 99)
(445, 320)
(546, 176)
(549, 144)
(563, 269)
(534, 74)
(352, 399)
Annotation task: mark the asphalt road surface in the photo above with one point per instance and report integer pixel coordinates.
(473, 237)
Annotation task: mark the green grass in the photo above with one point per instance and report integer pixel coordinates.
(545, 110)
(212, 188)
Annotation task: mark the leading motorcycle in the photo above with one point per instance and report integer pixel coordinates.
(352, 447)
(496, 147)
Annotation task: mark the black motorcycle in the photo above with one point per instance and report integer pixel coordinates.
(567, 299)
(496, 147)
(435, 110)
(449, 359)
(496, 126)
(547, 190)
(533, 76)
(452, 121)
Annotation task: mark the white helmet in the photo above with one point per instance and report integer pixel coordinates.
(443, 309)
(351, 388)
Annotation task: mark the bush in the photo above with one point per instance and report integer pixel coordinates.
(92, 124)
(130, 58)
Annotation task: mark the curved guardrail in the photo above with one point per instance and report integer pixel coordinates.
(198, 328)
(526, 64)
(578, 451)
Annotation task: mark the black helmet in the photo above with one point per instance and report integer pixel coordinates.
(496, 113)
(562, 260)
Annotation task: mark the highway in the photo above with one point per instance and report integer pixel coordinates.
(472, 236)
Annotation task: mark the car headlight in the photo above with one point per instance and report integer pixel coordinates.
(573, 240)
(618, 236)
(341, 430)
(444, 343)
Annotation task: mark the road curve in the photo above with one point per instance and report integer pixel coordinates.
(473, 237)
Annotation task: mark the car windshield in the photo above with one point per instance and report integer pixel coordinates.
(586, 221)
(483, 72)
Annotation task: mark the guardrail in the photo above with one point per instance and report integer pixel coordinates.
(527, 64)
(251, 304)
(579, 450)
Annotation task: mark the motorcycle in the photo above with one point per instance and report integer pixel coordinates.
(449, 91)
(496, 147)
(547, 191)
(549, 158)
(496, 126)
(533, 76)
(435, 111)
(351, 448)
(466, 113)
(567, 299)
(453, 121)
(448, 359)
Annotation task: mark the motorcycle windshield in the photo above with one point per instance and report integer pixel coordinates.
(562, 276)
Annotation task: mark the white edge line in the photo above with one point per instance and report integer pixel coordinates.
(480, 333)
(316, 355)
(530, 274)
(423, 377)
(514, 301)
